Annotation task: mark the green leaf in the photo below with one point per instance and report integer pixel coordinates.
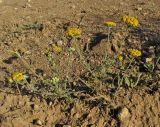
(127, 81)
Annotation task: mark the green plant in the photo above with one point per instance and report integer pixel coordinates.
(48, 88)
(56, 88)
(109, 25)
(151, 66)
(129, 74)
(71, 66)
(34, 26)
(132, 82)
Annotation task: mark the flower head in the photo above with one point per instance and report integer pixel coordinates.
(120, 58)
(55, 80)
(135, 52)
(71, 49)
(131, 21)
(73, 32)
(56, 49)
(110, 24)
(17, 76)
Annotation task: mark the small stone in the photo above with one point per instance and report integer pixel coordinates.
(158, 66)
(60, 43)
(28, 52)
(129, 40)
(113, 123)
(123, 114)
(73, 6)
(74, 83)
(122, 3)
(19, 103)
(34, 106)
(28, 5)
(139, 8)
(148, 60)
(50, 103)
(114, 47)
(66, 126)
(145, 13)
(37, 122)
(146, 38)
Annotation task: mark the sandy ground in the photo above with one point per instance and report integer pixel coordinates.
(142, 107)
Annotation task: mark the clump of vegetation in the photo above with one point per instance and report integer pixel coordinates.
(120, 70)
(33, 26)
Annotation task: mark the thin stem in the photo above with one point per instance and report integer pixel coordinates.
(98, 94)
(18, 88)
(27, 65)
(108, 34)
(82, 59)
(77, 48)
(130, 63)
(139, 76)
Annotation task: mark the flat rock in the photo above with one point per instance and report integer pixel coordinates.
(123, 114)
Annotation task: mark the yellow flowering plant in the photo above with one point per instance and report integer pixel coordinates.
(135, 53)
(73, 32)
(109, 25)
(17, 77)
(56, 49)
(130, 21)
(120, 57)
(55, 80)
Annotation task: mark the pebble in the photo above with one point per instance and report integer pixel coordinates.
(113, 123)
(50, 103)
(34, 106)
(123, 114)
(66, 126)
(158, 66)
(148, 60)
(139, 8)
(146, 38)
(60, 43)
(145, 13)
(28, 52)
(73, 6)
(28, 5)
(37, 122)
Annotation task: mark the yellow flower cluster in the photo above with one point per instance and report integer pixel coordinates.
(110, 24)
(131, 21)
(56, 49)
(73, 32)
(55, 80)
(17, 76)
(135, 52)
(120, 58)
